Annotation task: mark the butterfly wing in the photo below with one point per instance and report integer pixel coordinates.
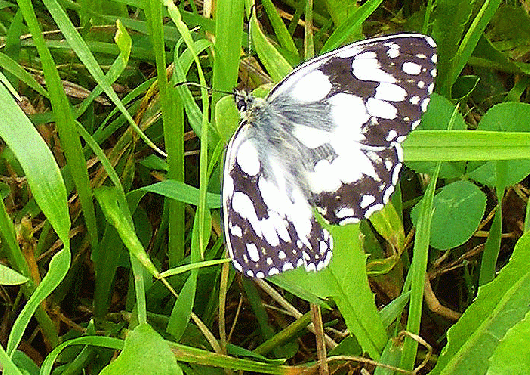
(351, 109)
(327, 136)
(268, 222)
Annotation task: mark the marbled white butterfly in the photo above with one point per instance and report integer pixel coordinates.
(327, 137)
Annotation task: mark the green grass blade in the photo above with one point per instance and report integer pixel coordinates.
(43, 174)
(182, 192)
(8, 366)
(465, 145)
(280, 30)
(98, 341)
(58, 267)
(351, 25)
(470, 40)
(64, 121)
(173, 120)
(228, 34)
(488, 264)
(277, 66)
(417, 272)
(11, 66)
(80, 47)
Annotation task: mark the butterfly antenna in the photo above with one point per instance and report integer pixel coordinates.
(210, 90)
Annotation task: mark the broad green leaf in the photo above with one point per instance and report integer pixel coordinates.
(513, 353)
(458, 209)
(499, 306)
(505, 117)
(144, 352)
(346, 282)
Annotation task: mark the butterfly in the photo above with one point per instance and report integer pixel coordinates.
(326, 138)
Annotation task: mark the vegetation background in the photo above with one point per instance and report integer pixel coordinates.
(112, 253)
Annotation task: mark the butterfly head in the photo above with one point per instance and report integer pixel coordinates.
(243, 99)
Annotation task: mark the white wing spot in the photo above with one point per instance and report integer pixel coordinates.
(323, 247)
(345, 212)
(365, 67)
(424, 104)
(242, 204)
(411, 68)
(273, 271)
(372, 209)
(235, 230)
(367, 200)
(259, 275)
(228, 185)
(248, 158)
(380, 108)
(434, 58)
(310, 267)
(399, 152)
(392, 134)
(281, 255)
(430, 89)
(349, 114)
(270, 227)
(393, 51)
(287, 266)
(349, 220)
(388, 193)
(421, 84)
(237, 266)
(430, 40)
(311, 87)
(415, 100)
(390, 92)
(252, 252)
(395, 174)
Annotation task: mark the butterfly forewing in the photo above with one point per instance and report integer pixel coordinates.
(327, 137)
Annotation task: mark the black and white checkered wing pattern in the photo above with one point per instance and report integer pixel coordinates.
(269, 224)
(327, 137)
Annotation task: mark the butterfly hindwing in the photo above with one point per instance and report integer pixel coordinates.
(267, 230)
(328, 137)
